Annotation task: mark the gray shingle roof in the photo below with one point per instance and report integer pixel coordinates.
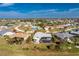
(75, 32)
(4, 31)
(64, 35)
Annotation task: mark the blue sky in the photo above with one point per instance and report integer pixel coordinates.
(39, 10)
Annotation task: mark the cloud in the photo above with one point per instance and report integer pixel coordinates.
(12, 14)
(5, 4)
(52, 13)
(74, 10)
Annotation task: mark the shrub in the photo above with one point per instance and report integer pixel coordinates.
(41, 47)
(15, 40)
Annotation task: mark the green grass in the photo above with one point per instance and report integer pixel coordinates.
(30, 49)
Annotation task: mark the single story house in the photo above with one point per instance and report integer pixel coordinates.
(47, 28)
(66, 25)
(6, 32)
(40, 37)
(63, 26)
(59, 26)
(3, 27)
(75, 32)
(20, 37)
(28, 23)
(36, 28)
(65, 36)
(9, 33)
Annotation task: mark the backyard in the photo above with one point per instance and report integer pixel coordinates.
(31, 49)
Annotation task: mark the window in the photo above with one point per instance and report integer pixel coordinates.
(45, 40)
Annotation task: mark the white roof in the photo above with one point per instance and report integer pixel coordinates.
(41, 34)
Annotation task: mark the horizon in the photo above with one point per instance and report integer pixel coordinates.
(39, 10)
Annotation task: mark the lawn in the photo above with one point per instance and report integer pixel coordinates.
(31, 49)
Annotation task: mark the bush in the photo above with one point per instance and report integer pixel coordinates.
(15, 40)
(25, 48)
(28, 46)
(35, 47)
(41, 47)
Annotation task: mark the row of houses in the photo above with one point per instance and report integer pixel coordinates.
(40, 37)
(62, 36)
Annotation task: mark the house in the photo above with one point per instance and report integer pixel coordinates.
(66, 25)
(6, 32)
(20, 37)
(9, 33)
(36, 28)
(63, 26)
(29, 23)
(65, 36)
(75, 32)
(59, 26)
(47, 28)
(3, 27)
(40, 37)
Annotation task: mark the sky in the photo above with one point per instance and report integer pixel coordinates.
(39, 10)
